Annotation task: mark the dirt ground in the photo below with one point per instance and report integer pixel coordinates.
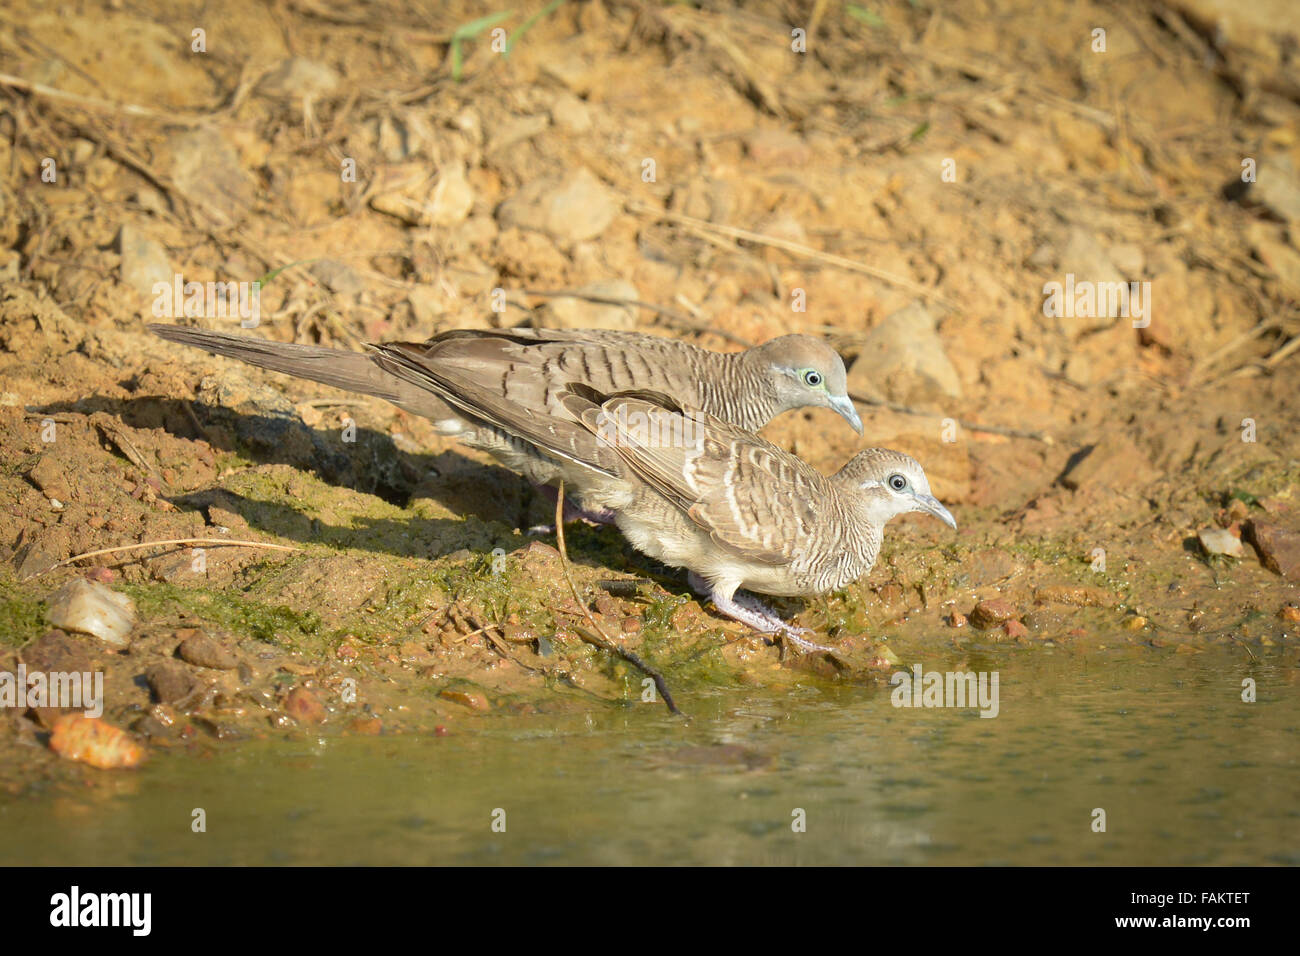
(908, 183)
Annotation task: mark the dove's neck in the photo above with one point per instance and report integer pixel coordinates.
(739, 390)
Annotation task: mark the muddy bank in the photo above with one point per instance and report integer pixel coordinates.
(912, 185)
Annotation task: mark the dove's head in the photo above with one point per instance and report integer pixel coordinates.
(803, 370)
(891, 484)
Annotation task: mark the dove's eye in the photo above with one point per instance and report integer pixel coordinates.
(897, 482)
(812, 377)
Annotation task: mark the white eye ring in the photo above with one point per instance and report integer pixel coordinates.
(812, 377)
(897, 482)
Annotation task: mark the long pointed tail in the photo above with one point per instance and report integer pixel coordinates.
(352, 371)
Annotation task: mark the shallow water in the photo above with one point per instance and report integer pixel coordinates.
(1185, 771)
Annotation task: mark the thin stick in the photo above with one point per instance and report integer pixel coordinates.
(1006, 430)
(608, 642)
(1263, 326)
(794, 248)
(93, 102)
(211, 542)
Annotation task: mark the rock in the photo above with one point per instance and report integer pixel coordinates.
(1289, 613)
(1074, 594)
(304, 706)
(471, 699)
(573, 313)
(170, 682)
(48, 475)
(427, 305)
(35, 553)
(202, 651)
(452, 198)
(903, 359)
(1220, 541)
(1086, 259)
(338, 276)
(517, 130)
(144, 261)
(1047, 620)
(1276, 188)
(206, 169)
(991, 613)
(1270, 248)
(95, 742)
(777, 147)
(1278, 548)
(90, 608)
(1129, 259)
(570, 113)
(518, 634)
(956, 619)
(1253, 41)
(402, 191)
(1115, 462)
(56, 651)
(299, 77)
(366, 726)
(573, 209)
(1014, 628)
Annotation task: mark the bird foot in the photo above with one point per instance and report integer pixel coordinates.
(752, 612)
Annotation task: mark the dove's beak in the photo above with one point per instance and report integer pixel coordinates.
(844, 405)
(930, 505)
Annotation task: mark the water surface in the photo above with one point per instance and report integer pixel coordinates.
(1185, 771)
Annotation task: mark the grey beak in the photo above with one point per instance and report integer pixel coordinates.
(930, 505)
(844, 405)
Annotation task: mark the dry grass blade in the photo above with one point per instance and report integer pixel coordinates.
(169, 542)
(794, 248)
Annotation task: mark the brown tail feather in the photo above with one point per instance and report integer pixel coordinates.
(352, 371)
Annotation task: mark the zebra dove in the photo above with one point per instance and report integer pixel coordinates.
(526, 370)
(736, 511)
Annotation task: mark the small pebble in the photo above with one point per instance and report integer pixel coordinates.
(1015, 629)
(470, 699)
(1220, 541)
(95, 742)
(202, 651)
(90, 608)
(305, 706)
(367, 726)
(991, 613)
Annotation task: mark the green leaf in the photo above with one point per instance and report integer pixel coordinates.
(272, 275)
(865, 15)
(527, 25)
(468, 31)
